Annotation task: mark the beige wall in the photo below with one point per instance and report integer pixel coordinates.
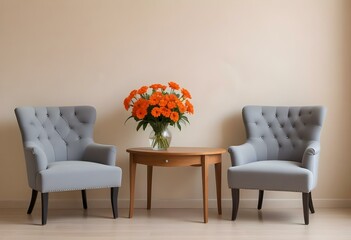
(227, 53)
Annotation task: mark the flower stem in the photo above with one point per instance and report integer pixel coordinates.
(161, 138)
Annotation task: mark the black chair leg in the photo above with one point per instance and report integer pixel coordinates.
(311, 203)
(44, 207)
(84, 199)
(260, 199)
(235, 199)
(114, 196)
(32, 201)
(305, 202)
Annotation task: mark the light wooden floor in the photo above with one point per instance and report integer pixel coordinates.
(169, 224)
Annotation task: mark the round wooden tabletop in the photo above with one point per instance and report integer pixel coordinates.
(189, 151)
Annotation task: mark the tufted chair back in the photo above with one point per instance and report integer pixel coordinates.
(61, 132)
(282, 133)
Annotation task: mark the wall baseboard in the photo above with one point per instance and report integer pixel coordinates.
(188, 203)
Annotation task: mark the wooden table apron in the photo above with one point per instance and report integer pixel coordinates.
(177, 157)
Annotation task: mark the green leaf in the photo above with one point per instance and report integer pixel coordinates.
(145, 125)
(186, 119)
(139, 125)
(178, 125)
(128, 119)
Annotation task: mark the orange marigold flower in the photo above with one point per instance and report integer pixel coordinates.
(127, 102)
(143, 90)
(186, 93)
(156, 112)
(173, 85)
(141, 103)
(133, 93)
(156, 86)
(158, 95)
(163, 102)
(165, 111)
(141, 113)
(181, 107)
(189, 107)
(171, 105)
(153, 100)
(174, 116)
(173, 97)
(134, 111)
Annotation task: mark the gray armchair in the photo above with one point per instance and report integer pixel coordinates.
(61, 155)
(280, 154)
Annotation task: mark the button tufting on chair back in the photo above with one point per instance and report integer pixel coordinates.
(282, 132)
(62, 132)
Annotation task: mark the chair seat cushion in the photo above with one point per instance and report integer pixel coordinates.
(77, 175)
(271, 175)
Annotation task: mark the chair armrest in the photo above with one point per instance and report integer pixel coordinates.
(36, 161)
(242, 154)
(99, 153)
(310, 157)
(35, 157)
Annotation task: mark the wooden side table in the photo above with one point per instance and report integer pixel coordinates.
(177, 157)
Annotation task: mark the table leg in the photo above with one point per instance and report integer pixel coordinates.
(218, 172)
(204, 167)
(132, 171)
(149, 186)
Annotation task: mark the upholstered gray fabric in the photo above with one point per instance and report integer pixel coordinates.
(77, 175)
(52, 135)
(99, 153)
(271, 175)
(278, 134)
(61, 132)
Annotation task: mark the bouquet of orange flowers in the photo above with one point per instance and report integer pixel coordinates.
(159, 106)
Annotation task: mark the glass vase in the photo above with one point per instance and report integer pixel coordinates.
(160, 137)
